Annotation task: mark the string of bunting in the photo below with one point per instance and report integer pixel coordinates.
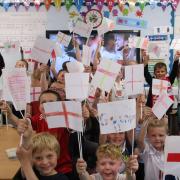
(68, 3)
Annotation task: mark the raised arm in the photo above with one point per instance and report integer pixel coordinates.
(25, 156)
(5, 108)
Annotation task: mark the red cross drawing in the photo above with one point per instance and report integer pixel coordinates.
(160, 86)
(108, 73)
(33, 94)
(173, 157)
(64, 113)
(133, 81)
(161, 100)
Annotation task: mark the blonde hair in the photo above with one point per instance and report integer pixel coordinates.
(109, 150)
(45, 141)
(156, 123)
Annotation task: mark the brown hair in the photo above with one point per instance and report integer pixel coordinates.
(160, 65)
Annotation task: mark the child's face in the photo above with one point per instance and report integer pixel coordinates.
(160, 73)
(156, 136)
(117, 138)
(45, 162)
(48, 97)
(108, 168)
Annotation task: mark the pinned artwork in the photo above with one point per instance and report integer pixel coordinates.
(134, 79)
(162, 105)
(66, 114)
(42, 50)
(105, 75)
(154, 50)
(172, 155)
(63, 39)
(113, 119)
(76, 85)
(159, 86)
(138, 42)
(131, 22)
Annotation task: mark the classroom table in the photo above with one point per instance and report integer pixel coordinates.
(9, 138)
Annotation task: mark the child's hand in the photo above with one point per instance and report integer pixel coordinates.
(43, 68)
(177, 56)
(81, 166)
(24, 127)
(5, 108)
(24, 155)
(132, 164)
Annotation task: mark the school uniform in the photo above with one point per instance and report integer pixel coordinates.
(170, 79)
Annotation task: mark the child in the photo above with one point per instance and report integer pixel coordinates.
(108, 163)
(39, 124)
(43, 152)
(160, 72)
(153, 149)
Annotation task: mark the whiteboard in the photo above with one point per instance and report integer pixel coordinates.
(23, 27)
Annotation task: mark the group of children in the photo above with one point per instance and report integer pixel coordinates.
(53, 153)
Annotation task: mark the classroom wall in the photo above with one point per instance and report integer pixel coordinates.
(58, 19)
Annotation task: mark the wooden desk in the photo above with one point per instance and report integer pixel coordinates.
(8, 139)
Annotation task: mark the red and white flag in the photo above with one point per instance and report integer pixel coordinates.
(66, 114)
(172, 155)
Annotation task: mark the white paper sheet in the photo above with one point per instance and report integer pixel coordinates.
(66, 114)
(117, 116)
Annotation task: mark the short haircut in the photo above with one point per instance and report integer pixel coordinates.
(49, 91)
(109, 36)
(45, 141)
(160, 65)
(109, 150)
(156, 123)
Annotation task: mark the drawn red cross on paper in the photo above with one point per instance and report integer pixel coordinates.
(34, 93)
(160, 86)
(133, 81)
(106, 72)
(161, 100)
(64, 113)
(173, 157)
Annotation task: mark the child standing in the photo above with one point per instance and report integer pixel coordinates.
(160, 72)
(43, 152)
(108, 164)
(39, 124)
(153, 149)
